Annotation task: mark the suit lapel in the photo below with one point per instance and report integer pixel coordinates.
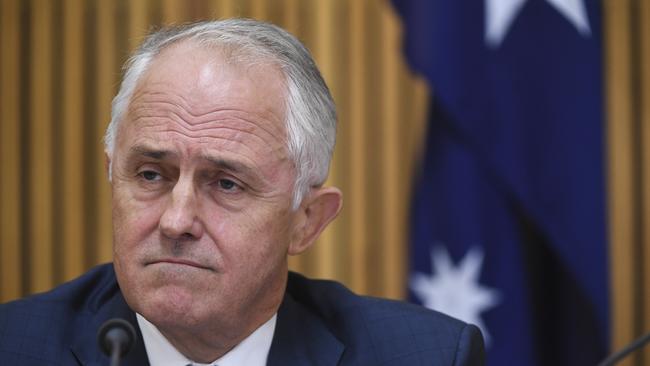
(85, 346)
(301, 338)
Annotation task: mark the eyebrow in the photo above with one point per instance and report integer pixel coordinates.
(228, 164)
(234, 166)
(150, 152)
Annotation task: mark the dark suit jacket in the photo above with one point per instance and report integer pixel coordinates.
(319, 323)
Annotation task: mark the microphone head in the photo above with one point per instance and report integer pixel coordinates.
(116, 333)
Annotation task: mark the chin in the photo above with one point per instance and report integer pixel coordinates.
(171, 308)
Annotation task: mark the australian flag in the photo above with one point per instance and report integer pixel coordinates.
(508, 217)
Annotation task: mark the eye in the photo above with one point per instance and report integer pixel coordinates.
(227, 184)
(150, 175)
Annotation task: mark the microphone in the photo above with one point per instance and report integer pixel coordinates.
(638, 343)
(116, 338)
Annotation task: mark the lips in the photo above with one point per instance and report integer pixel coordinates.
(177, 261)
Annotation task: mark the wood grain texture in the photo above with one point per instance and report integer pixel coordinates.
(625, 146)
(72, 185)
(11, 240)
(643, 100)
(40, 241)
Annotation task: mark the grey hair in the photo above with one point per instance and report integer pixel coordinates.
(310, 111)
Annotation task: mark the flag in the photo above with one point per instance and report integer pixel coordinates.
(508, 216)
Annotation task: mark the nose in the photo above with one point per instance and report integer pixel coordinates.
(180, 220)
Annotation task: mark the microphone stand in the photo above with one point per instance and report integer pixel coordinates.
(116, 338)
(613, 359)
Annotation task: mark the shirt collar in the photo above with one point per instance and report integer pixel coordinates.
(252, 351)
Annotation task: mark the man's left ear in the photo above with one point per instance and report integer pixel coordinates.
(317, 210)
(107, 166)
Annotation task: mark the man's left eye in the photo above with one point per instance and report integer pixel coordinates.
(150, 175)
(227, 184)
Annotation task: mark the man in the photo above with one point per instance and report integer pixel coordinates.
(217, 150)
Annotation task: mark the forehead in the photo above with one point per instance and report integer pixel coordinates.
(199, 90)
(207, 77)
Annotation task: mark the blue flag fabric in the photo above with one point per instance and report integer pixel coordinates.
(508, 217)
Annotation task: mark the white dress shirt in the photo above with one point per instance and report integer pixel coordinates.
(252, 351)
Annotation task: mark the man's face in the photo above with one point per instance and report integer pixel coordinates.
(202, 188)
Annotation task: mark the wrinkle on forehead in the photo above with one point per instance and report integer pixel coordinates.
(205, 97)
(234, 128)
(169, 104)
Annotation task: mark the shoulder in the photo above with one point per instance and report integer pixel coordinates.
(331, 300)
(84, 293)
(37, 327)
(395, 330)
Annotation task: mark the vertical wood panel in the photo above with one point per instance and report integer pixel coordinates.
(291, 16)
(41, 163)
(392, 223)
(357, 124)
(174, 12)
(259, 9)
(621, 173)
(227, 9)
(139, 22)
(106, 80)
(73, 141)
(10, 165)
(643, 13)
(373, 201)
(212, 9)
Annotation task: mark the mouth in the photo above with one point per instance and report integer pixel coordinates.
(179, 262)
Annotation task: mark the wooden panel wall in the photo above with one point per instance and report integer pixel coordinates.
(60, 67)
(627, 60)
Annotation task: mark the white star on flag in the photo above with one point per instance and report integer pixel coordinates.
(456, 291)
(500, 14)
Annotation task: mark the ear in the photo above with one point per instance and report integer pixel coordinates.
(107, 166)
(317, 210)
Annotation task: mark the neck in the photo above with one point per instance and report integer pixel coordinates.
(202, 350)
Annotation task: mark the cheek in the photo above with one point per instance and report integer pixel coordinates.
(250, 236)
(133, 220)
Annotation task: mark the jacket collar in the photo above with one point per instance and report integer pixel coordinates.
(85, 346)
(301, 338)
